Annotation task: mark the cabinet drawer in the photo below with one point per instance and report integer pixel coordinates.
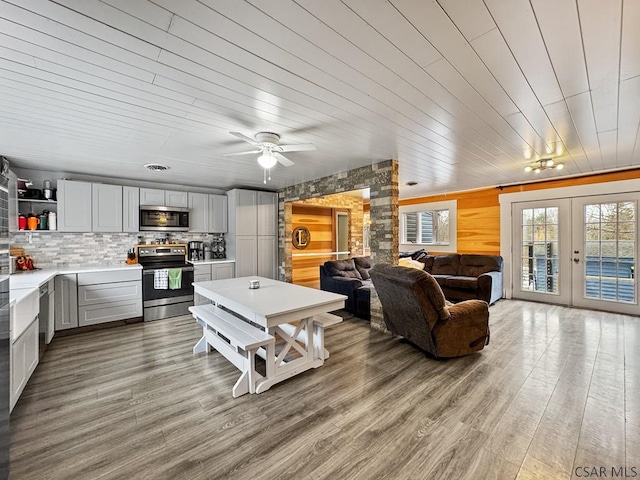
(109, 312)
(95, 278)
(109, 293)
(202, 277)
(201, 270)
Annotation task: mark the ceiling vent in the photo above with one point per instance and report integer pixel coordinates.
(156, 167)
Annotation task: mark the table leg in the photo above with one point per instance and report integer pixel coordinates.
(201, 346)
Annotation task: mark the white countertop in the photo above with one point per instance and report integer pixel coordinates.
(18, 294)
(35, 278)
(209, 262)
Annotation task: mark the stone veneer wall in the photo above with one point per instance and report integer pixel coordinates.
(355, 207)
(53, 249)
(382, 181)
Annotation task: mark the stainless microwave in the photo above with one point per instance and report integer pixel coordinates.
(163, 219)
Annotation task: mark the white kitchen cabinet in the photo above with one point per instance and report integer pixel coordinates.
(252, 235)
(13, 202)
(74, 206)
(176, 199)
(24, 358)
(213, 271)
(151, 196)
(168, 198)
(222, 271)
(243, 212)
(198, 212)
(201, 273)
(246, 255)
(52, 305)
(66, 302)
(130, 209)
(267, 203)
(109, 296)
(267, 255)
(218, 213)
(106, 206)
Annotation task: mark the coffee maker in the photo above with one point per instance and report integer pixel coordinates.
(196, 251)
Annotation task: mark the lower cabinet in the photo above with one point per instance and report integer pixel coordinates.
(109, 296)
(214, 271)
(66, 301)
(201, 273)
(97, 297)
(24, 360)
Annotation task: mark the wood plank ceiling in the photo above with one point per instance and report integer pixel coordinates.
(464, 93)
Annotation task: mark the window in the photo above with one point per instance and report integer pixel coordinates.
(430, 227)
(429, 224)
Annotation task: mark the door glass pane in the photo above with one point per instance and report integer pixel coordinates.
(539, 250)
(610, 248)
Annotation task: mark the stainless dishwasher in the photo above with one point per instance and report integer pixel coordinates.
(43, 319)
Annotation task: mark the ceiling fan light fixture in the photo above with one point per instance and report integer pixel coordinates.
(267, 160)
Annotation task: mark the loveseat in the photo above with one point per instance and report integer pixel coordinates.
(467, 276)
(349, 277)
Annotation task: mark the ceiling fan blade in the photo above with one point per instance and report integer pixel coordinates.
(300, 147)
(283, 160)
(245, 138)
(241, 153)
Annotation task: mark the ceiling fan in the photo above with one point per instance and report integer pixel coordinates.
(268, 145)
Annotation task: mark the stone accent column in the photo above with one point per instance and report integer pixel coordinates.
(382, 180)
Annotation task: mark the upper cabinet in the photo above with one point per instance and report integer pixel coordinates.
(13, 202)
(252, 239)
(74, 206)
(176, 199)
(151, 196)
(87, 207)
(267, 213)
(198, 212)
(107, 208)
(130, 209)
(207, 213)
(218, 213)
(243, 212)
(167, 198)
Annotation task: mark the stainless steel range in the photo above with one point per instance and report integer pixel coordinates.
(165, 291)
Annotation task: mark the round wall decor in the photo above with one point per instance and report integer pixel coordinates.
(301, 238)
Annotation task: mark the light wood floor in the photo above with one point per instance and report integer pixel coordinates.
(556, 389)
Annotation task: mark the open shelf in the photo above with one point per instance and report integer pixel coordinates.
(29, 200)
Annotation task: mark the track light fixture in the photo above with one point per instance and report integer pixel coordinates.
(543, 164)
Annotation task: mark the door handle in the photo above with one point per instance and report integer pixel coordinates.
(576, 260)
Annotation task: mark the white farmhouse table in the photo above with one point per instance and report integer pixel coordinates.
(273, 307)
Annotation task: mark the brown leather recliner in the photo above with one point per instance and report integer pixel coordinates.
(415, 308)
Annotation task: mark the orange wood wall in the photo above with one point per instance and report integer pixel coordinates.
(319, 221)
(479, 210)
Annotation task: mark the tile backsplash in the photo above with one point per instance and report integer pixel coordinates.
(51, 249)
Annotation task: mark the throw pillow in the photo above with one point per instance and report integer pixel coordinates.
(407, 262)
(363, 264)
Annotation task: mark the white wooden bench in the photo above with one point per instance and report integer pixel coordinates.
(320, 322)
(234, 338)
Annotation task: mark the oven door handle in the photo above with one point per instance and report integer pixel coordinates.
(149, 271)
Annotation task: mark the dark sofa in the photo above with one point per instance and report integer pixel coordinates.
(467, 276)
(349, 277)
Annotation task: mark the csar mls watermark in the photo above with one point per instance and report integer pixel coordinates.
(605, 472)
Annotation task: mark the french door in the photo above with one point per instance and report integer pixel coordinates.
(579, 251)
(542, 251)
